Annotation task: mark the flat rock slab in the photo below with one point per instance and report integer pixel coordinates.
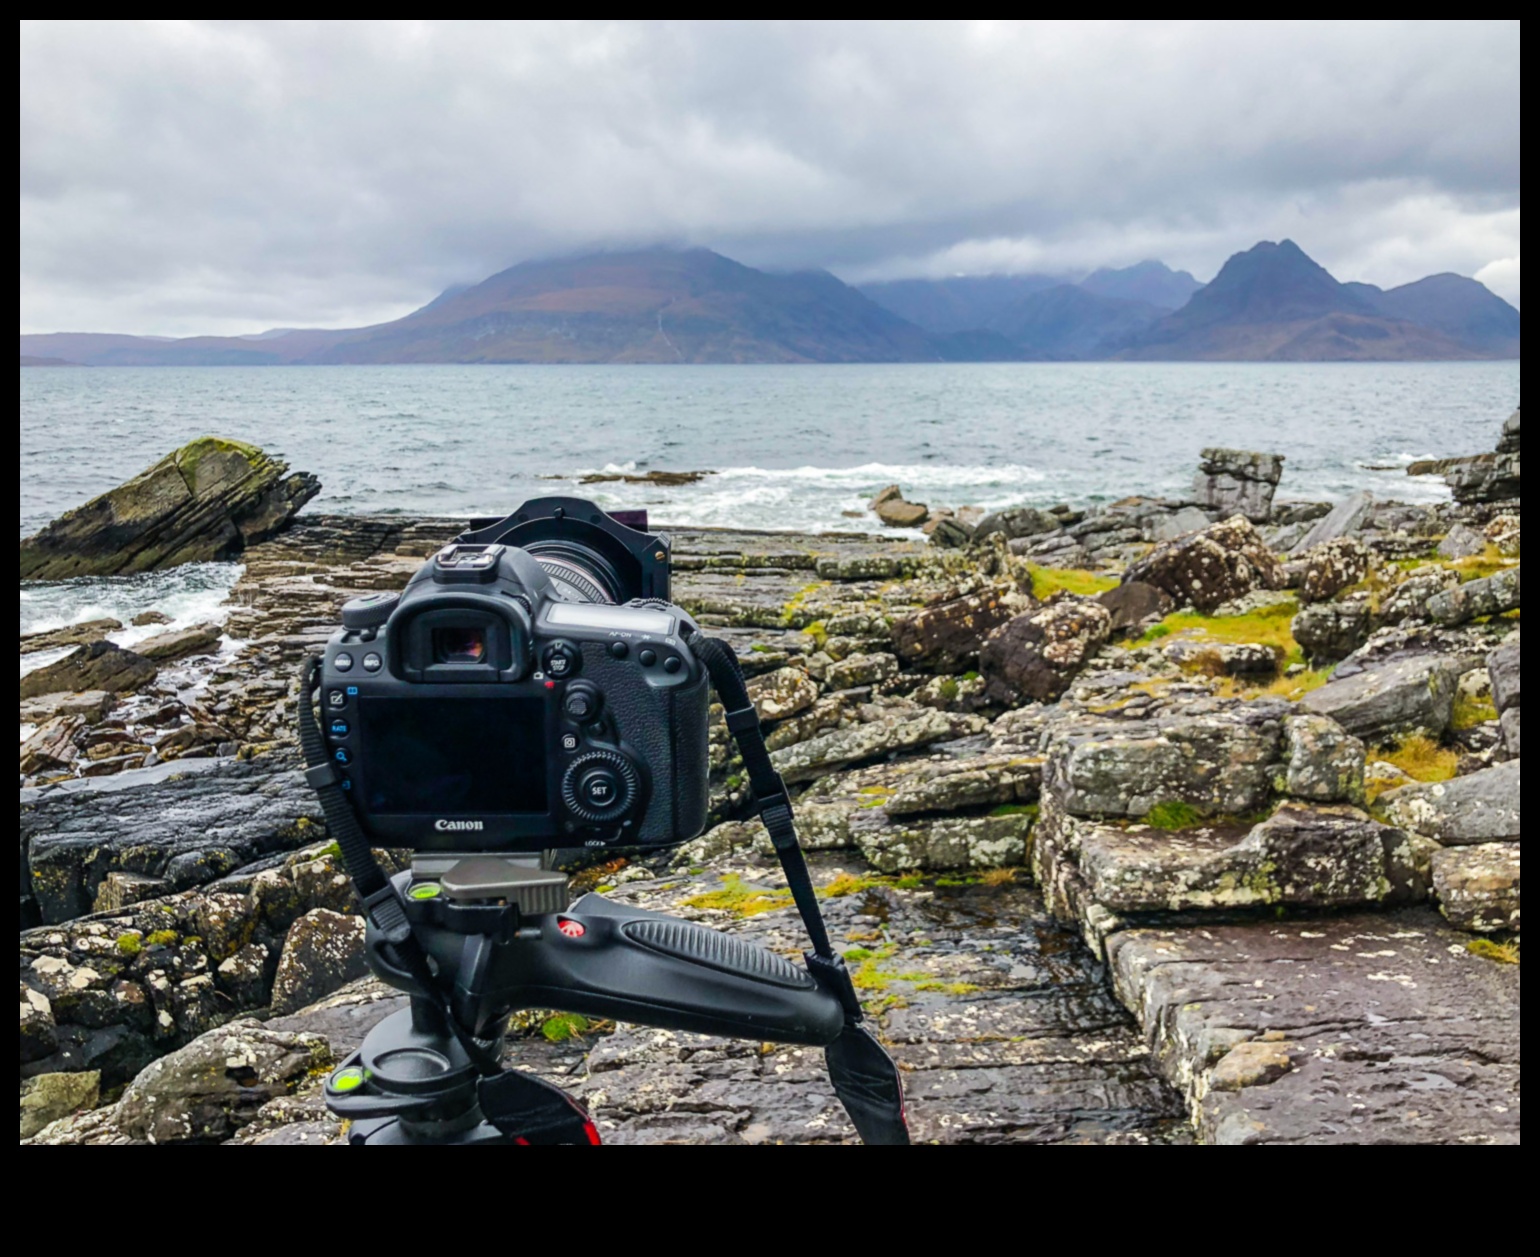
(1377, 1028)
(1480, 807)
(1414, 695)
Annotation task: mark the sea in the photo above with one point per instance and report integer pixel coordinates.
(788, 447)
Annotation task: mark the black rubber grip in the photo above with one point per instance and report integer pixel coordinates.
(706, 947)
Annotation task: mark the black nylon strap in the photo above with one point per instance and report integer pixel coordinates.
(379, 899)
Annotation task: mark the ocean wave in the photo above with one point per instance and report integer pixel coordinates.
(194, 593)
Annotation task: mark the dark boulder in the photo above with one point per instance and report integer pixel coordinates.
(99, 666)
(949, 635)
(1393, 699)
(1211, 567)
(69, 635)
(324, 950)
(1135, 606)
(209, 500)
(1491, 595)
(1329, 632)
(1017, 521)
(1037, 654)
(1331, 567)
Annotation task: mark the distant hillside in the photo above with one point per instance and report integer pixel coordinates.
(1067, 323)
(1273, 303)
(1151, 282)
(31, 360)
(1463, 309)
(964, 303)
(649, 306)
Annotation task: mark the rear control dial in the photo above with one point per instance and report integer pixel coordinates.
(600, 787)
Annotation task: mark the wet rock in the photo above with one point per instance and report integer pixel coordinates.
(1508, 443)
(209, 500)
(903, 732)
(48, 1097)
(1329, 632)
(1347, 517)
(1218, 765)
(1037, 654)
(1479, 478)
(99, 666)
(323, 951)
(1478, 886)
(949, 635)
(1238, 481)
(146, 618)
(1016, 521)
(782, 693)
(946, 843)
(1461, 542)
(92, 705)
(1135, 606)
(1393, 699)
(894, 511)
(70, 635)
(52, 746)
(1503, 669)
(1480, 807)
(1320, 857)
(1395, 1033)
(1258, 1062)
(1332, 567)
(856, 670)
(1212, 567)
(1325, 764)
(199, 639)
(1491, 595)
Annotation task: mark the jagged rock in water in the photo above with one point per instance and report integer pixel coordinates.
(47, 1098)
(71, 635)
(1331, 567)
(92, 704)
(891, 508)
(1038, 653)
(1347, 517)
(1491, 595)
(1207, 569)
(1393, 1031)
(1325, 764)
(199, 639)
(782, 693)
(1478, 886)
(1016, 521)
(1243, 481)
(209, 500)
(1508, 443)
(950, 634)
(1136, 606)
(1320, 857)
(1479, 807)
(1393, 699)
(324, 951)
(1216, 764)
(97, 666)
(1329, 632)
(1461, 542)
(1479, 478)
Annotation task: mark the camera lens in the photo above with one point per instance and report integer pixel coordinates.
(459, 645)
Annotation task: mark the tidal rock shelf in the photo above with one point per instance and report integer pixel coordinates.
(1160, 821)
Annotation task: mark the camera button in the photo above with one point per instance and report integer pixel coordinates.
(569, 741)
(580, 704)
(672, 664)
(343, 662)
(372, 662)
(338, 727)
(342, 755)
(336, 698)
(599, 788)
(561, 659)
(647, 658)
(619, 650)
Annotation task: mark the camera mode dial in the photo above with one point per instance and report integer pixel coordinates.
(370, 611)
(600, 787)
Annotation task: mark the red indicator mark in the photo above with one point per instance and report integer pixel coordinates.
(571, 928)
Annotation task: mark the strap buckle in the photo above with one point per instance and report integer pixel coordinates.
(387, 914)
(322, 775)
(742, 720)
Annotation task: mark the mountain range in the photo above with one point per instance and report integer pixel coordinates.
(1271, 302)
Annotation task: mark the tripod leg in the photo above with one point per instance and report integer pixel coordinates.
(528, 1110)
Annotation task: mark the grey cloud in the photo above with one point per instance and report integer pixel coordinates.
(178, 177)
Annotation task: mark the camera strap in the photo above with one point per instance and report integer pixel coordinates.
(381, 904)
(864, 1076)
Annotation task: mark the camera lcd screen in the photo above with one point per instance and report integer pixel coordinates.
(454, 756)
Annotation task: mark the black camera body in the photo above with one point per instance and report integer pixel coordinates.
(532, 687)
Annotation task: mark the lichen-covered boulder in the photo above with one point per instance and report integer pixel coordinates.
(1332, 567)
(1328, 632)
(905, 730)
(947, 842)
(323, 951)
(1409, 600)
(39, 1036)
(1505, 533)
(1491, 595)
(782, 693)
(1503, 668)
(1402, 696)
(208, 500)
(1232, 659)
(948, 635)
(1238, 481)
(1480, 807)
(1478, 886)
(1211, 567)
(1324, 764)
(98, 666)
(1461, 542)
(857, 670)
(1038, 653)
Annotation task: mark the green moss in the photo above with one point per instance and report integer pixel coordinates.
(1047, 581)
(740, 899)
(1173, 814)
(564, 1026)
(948, 690)
(911, 881)
(857, 954)
(795, 615)
(1488, 949)
(191, 455)
(161, 938)
(949, 988)
(1267, 626)
(1015, 809)
(1154, 633)
(970, 676)
(330, 849)
(759, 648)
(130, 944)
(734, 782)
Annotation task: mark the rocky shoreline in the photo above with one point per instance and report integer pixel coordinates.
(1159, 821)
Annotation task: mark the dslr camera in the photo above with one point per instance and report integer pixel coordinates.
(532, 687)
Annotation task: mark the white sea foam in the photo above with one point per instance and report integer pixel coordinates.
(195, 593)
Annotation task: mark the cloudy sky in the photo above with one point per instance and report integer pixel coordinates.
(227, 177)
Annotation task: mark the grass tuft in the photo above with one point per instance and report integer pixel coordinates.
(1470, 712)
(1047, 581)
(1173, 815)
(740, 899)
(1504, 953)
(564, 1026)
